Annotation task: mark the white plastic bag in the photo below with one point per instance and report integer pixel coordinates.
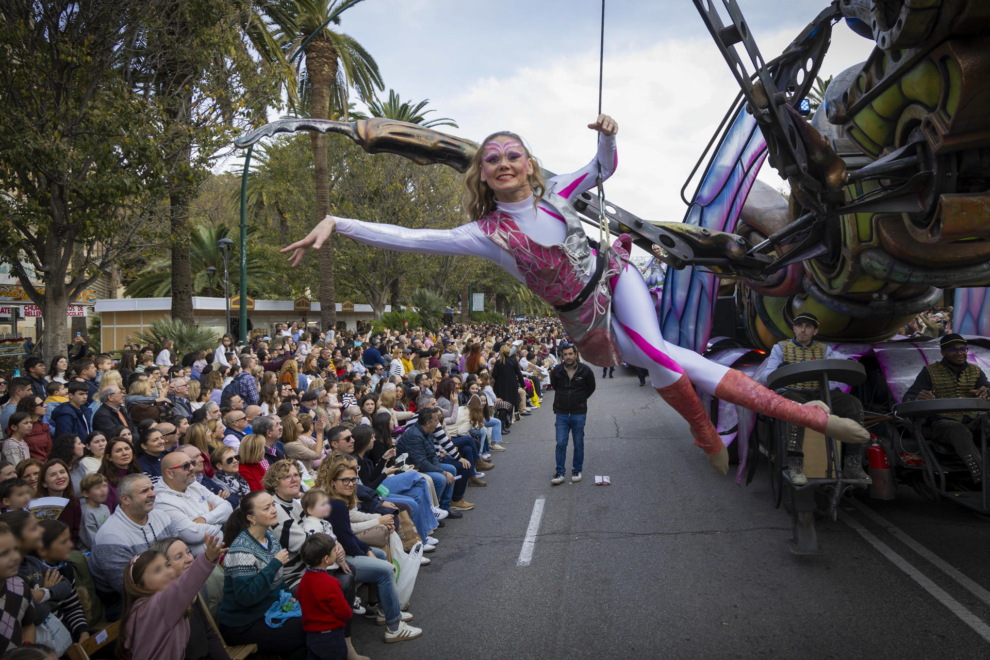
(406, 567)
(53, 632)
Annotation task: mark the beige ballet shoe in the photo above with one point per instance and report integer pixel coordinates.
(720, 460)
(846, 430)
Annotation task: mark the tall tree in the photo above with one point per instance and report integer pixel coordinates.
(816, 95)
(197, 65)
(334, 63)
(84, 158)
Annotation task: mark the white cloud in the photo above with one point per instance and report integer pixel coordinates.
(667, 98)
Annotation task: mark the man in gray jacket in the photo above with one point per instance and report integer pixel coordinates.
(193, 510)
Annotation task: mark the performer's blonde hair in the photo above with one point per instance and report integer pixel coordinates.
(478, 198)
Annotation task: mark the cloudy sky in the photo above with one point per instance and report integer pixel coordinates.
(531, 66)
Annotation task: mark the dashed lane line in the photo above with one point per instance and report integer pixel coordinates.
(529, 543)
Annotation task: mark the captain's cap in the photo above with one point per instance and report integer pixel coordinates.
(806, 317)
(951, 339)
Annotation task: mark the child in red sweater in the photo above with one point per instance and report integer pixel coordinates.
(325, 611)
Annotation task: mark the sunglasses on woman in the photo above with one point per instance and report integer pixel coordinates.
(232, 459)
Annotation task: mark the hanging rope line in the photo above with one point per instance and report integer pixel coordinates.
(603, 234)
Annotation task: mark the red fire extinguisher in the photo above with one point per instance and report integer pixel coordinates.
(883, 487)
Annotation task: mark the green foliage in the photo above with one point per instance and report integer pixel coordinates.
(488, 317)
(155, 281)
(185, 337)
(94, 332)
(400, 320)
(407, 112)
(430, 307)
(816, 95)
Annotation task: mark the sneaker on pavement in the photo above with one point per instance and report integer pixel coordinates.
(480, 475)
(526, 414)
(575, 476)
(461, 505)
(429, 548)
(406, 616)
(440, 513)
(455, 514)
(557, 479)
(403, 634)
(497, 447)
(424, 561)
(432, 541)
(357, 608)
(486, 456)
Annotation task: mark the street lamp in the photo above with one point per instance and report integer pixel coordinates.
(225, 244)
(211, 275)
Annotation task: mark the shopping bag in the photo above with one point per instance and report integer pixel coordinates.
(407, 532)
(53, 632)
(285, 608)
(406, 568)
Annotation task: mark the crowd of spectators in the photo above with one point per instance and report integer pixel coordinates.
(935, 323)
(215, 484)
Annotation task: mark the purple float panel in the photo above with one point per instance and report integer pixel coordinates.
(971, 311)
(902, 361)
(688, 301)
(849, 352)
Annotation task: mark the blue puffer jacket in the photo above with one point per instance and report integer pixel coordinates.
(419, 445)
(69, 419)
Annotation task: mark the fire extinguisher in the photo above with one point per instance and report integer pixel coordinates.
(883, 487)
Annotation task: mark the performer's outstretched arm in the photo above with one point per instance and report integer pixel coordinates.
(467, 240)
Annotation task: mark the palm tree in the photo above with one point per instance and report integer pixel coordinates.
(155, 280)
(816, 95)
(393, 109)
(335, 62)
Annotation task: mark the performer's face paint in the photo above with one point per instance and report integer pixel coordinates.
(505, 167)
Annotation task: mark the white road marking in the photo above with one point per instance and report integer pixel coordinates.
(937, 561)
(957, 608)
(529, 544)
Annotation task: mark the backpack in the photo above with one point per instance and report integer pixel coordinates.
(232, 388)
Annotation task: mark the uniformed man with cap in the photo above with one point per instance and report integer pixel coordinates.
(954, 377)
(802, 348)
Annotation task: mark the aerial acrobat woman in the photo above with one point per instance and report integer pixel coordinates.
(527, 226)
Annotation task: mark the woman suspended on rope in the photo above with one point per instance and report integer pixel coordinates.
(527, 226)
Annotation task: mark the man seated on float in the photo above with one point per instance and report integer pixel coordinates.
(802, 348)
(953, 377)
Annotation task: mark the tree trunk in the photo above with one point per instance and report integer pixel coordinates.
(182, 307)
(394, 291)
(466, 305)
(55, 310)
(321, 64)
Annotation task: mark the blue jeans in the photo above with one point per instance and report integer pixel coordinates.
(409, 487)
(465, 445)
(444, 490)
(495, 425)
(573, 425)
(379, 571)
(455, 468)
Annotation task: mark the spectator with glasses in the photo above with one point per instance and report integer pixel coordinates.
(954, 377)
(193, 510)
(236, 423)
(226, 463)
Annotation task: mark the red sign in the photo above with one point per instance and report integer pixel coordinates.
(32, 311)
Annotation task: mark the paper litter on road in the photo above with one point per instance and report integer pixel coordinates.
(602, 481)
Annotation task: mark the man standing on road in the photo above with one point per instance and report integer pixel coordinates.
(573, 383)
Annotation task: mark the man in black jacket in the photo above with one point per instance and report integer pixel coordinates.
(573, 383)
(112, 413)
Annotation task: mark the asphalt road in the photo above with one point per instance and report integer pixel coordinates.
(675, 561)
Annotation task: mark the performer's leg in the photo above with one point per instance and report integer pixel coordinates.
(634, 311)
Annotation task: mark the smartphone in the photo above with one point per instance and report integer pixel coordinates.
(78, 334)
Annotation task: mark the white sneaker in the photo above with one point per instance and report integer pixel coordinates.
(480, 475)
(497, 447)
(424, 561)
(557, 479)
(357, 608)
(406, 616)
(486, 456)
(429, 548)
(440, 513)
(403, 634)
(432, 541)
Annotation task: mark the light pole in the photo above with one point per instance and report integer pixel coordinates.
(211, 275)
(225, 244)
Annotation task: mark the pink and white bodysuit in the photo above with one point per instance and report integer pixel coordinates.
(539, 247)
